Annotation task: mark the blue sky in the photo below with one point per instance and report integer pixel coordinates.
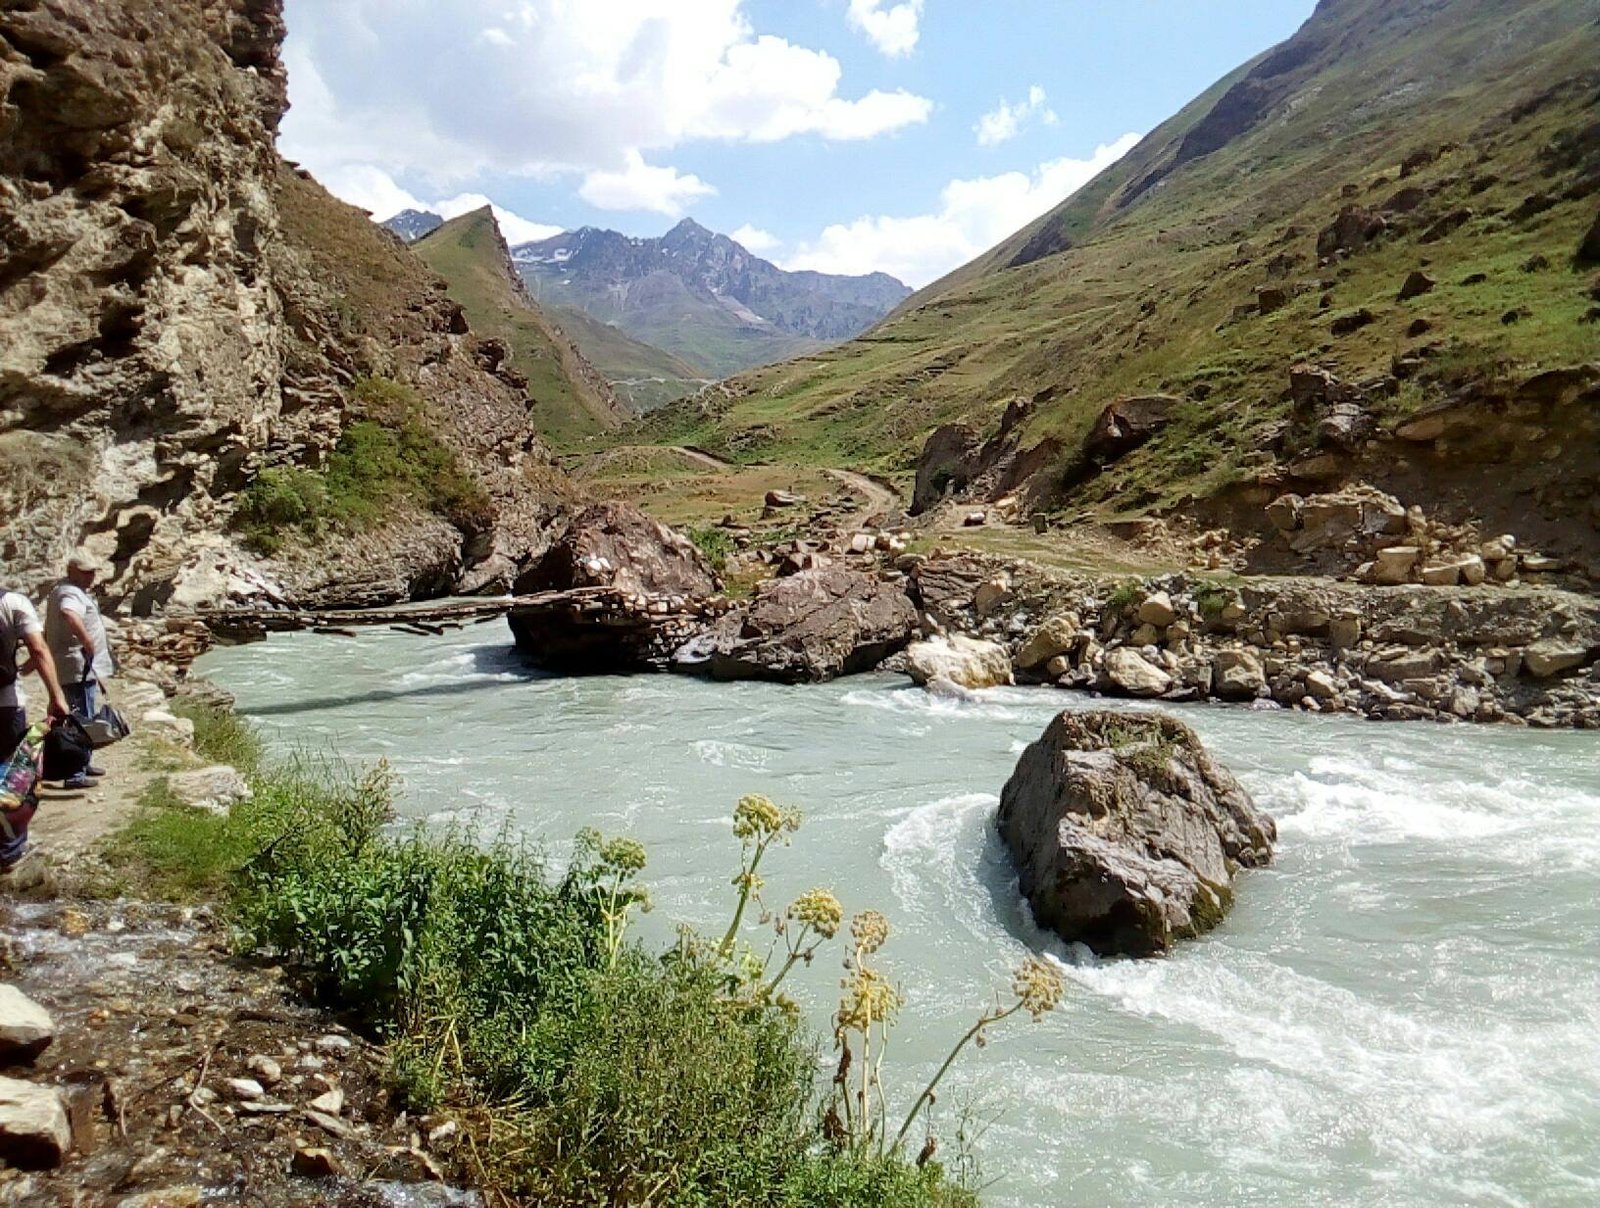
(842, 135)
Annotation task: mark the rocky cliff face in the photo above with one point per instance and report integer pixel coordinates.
(179, 310)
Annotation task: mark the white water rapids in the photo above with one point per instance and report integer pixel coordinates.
(1403, 1010)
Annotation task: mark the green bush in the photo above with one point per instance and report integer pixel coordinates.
(390, 456)
(715, 545)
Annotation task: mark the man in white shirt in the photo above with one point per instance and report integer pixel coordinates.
(76, 636)
(20, 630)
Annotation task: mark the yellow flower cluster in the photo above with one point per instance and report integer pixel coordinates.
(868, 999)
(623, 854)
(1038, 986)
(819, 910)
(757, 817)
(869, 930)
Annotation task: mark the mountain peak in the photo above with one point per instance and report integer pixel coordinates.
(412, 225)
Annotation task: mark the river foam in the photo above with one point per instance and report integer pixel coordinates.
(1403, 1010)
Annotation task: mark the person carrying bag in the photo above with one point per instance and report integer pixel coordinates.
(76, 635)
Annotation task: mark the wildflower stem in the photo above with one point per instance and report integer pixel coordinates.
(795, 954)
(725, 948)
(984, 1020)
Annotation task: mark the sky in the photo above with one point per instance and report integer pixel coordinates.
(847, 136)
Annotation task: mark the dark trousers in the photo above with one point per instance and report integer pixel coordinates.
(82, 699)
(13, 725)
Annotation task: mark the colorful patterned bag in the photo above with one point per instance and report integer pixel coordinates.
(19, 799)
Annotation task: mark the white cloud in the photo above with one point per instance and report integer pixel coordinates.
(447, 92)
(1006, 121)
(892, 28)
(639, 186)
(513, 226)
(754, 239)
(972, 216)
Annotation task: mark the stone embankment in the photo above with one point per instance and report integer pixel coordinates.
(1399, 653)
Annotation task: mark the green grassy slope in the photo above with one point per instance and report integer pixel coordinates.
(568, 398)
(641, 375)
(1133, 284)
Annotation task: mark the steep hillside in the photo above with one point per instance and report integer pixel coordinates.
(641, 375)
(702, 296)
(210, 369)
(568, 397)
(1273, 221)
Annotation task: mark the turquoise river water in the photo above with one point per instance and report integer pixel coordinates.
(1403, 1010)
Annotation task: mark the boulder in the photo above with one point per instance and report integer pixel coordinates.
(1553, 656)
(1237, 675)
(1284, 512)
(963, 661)
(1321, 686)
(812, 626)
(1126, 670)
(1157, 610)
(1057, 636)
(35, 1131)
(1416, 284)
(992, 596)
(1395, 564)
(1126, 834)
(216, 789)
(26, 1028)
(616, 545)
(1351, 231)
(948, 463)
(1126, 424)
(1589, 246)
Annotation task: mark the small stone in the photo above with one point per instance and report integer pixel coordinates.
(333, 1044)
(331, 1102)
(1417, 284)
(1321, 686)
(315, 1162)
(245, 1088)
(186, 1196)
(203, 1096)
(215, 790)
(329, 1124)
(443, 1132)
(266, 1070)
(310, 1062)
(73, 923)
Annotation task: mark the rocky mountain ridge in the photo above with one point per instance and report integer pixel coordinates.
(181, 312)
(1399, 198)
(412, 225)
(702, 296)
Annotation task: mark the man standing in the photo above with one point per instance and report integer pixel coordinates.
(20, 627)
(77, 639)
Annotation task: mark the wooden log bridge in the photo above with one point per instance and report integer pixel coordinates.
(581, 628)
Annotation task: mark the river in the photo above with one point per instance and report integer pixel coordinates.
(1403, 1010)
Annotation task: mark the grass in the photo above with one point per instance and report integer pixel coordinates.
(1144, 300)
(584, 1068)
(389, 458)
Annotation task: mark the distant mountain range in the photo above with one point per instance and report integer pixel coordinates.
(701, 296)
(661, 317)
(412, 225)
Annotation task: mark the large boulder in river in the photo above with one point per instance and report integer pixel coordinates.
(1126, 834)
(614, 544)
(812, 626)
(963, 661)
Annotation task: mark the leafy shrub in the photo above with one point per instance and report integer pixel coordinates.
(389, 457)
(715, 544)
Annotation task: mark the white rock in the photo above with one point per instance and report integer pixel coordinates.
(245, 1088)
(163, 724)
(964, 661)
(991, 597)
(333, 1044)
(1552, 657)
(1157, 610)
(1473, 571)
(1127, 669)
(1395, 564)
(215, 789)
(1237, 674)
(35, 1132)
(331, 1102)
(266, 1070)
(26, 1028)
(1441, 575)
(1321, 685)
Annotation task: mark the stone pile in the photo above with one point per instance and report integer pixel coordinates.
(1383, 653)
(1366, 534)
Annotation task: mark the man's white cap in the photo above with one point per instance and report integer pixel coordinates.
(84, 561)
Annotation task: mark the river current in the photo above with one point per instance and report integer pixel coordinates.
(1403, 1010)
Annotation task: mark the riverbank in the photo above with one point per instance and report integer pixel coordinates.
(330, 1010)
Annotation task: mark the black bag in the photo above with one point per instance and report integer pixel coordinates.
(67, 750)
